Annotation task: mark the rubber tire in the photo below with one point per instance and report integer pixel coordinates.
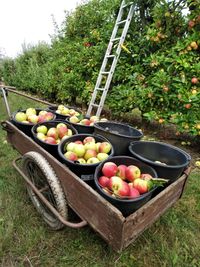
(55, 189)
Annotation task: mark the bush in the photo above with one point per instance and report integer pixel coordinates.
(158, 71)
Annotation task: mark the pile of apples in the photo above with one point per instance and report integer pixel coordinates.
(87, 151)
(124, 181)
(67, 111)
(53, 135)
(31, 116)
(87, 122)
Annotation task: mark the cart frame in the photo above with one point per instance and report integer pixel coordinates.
(105, 219)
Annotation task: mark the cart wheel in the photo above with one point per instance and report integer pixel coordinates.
(38, 170)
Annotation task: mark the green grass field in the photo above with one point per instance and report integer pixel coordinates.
(25, 240)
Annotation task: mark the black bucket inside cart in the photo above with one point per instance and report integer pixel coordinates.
(84, 171)
(62, 116)
(126, 205)
(26, 127)
(169, 161)
(119, 134)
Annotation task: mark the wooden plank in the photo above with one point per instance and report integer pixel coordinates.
(137, 222)
(89, 205)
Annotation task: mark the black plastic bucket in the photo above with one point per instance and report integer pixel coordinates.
(82, 129)
(157, 153)
(119, 134)
(51, 148)
(61, 116)
(84, 171)
(125, 205)
(26, 127)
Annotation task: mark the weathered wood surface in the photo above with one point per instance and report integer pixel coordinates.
(137, 222)
(104, 218)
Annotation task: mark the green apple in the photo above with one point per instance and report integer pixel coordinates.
(70, 146)
(90, 145)
(61, 107)
(79, 150)
(20, 116)
(30, 111)
(42, 129)
(69, 132)
(41, 136)
(102, 156)
(74, 119)
(82, 161)
(92, 160)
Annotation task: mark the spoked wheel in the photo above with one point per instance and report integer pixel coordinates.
(41, 174)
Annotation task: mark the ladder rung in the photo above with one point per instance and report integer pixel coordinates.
(121, 22)
(115, 39)
(105, 72)
(95, 105)
(100, 89)
(126, 5)
(110, 56)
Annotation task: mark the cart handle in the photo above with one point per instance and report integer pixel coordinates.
(6, 128)
(45, 201)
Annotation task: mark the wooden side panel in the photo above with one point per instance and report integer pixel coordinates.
(89, 205)
(137, 222)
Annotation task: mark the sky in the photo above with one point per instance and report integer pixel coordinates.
(29, 21)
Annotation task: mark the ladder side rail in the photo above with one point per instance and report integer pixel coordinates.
(118, 51)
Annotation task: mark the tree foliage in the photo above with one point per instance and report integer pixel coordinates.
(160, 75)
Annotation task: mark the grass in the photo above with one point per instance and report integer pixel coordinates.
(25, 240)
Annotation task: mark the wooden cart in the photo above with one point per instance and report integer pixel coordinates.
(118, 231)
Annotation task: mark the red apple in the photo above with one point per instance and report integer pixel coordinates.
(88, 139)
(94, 118)
(122, 171)
(60, 125)
(132, 173)
(146, 176)
(141, 185)
(50, 140)
(109, 169)
(78, 142)
(90, 153)
(49, 116)
(62, 131)
(52, 132)
(105, 147)
(33, 118)
(71, 155)
(194, 80)
(118, 186)
(97, 146)
(85, 122)
(103, 181)
(133, 191)
(41, 118)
